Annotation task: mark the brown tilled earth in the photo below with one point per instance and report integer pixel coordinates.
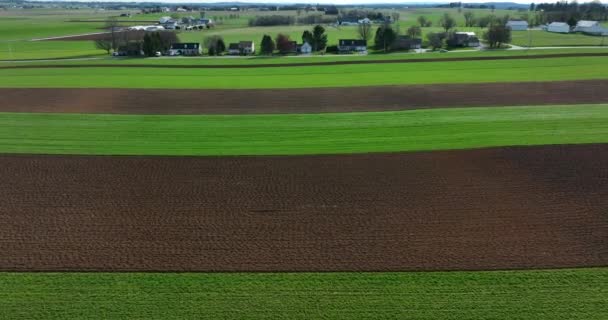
(501, 208)
(164, 101)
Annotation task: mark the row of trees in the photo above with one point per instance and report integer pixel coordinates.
(317, 39)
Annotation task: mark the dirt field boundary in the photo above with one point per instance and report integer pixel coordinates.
(318, 100)
(487, 209)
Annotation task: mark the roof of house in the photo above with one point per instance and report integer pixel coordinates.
(470, 34)
(559, 24)
(246, 44)
(188, 45)
(517, 22)
(233, 46)
(586, 23)
(352, 42)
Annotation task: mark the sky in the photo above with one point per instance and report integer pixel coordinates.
(335, 1)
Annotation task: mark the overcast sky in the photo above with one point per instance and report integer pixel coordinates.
(333, 1)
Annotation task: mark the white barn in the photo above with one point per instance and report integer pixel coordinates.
(591, 27)
(517, 25)
(305, 48)
(558, 27)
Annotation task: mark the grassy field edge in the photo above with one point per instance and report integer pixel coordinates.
(554, 294)
(301, 134)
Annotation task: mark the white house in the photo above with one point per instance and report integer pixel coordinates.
(517, 25)
(591, 27)
(364, 21)
(305, 48)
(558, 27)
(352, 45)
(185, 49)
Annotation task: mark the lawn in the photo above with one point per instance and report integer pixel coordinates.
(48, 50)
(541, 294)
(312, 76)
(550, 39)
(288, 134)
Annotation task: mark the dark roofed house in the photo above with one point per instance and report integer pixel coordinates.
(247, 47)
(234, 49)
(241, 48)
(463, 39)
(352, 45)
(185, 49)
(407, 43)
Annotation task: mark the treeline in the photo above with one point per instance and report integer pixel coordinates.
(316, 19)
(571, 11)
(357, 14)
(135, 42)
(271, 20)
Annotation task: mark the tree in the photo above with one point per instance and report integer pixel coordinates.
(447, 22)
(395, 16)
(365, 31)
(414, 32)
(469, 19)
(385, 37)
(496, 35)
(267, 45)
(284, 44)
(307, 37)
(112, 25)
(532, 6)
(215, 45)
(422, 21)
(572, 22)
(435, 40)
(104, 44)
(319, 38)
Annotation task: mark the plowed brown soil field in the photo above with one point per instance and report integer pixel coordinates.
(500, 208)
(155, 101)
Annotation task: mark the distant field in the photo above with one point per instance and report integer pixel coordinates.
(550, 39)
(48, 50)
(312, 76)
(301, 134)
(542, 294)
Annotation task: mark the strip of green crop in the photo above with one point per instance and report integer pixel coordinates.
(553, 69)
(289, 134)
(541, 294)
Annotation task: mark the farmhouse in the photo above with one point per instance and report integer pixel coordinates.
(407, 43)
(590, 27)
(243, 47)
(247, 47)
(185, 49)
(233, 49)
(305, 48)
(558, 27)
(463, 39)
(352, 45)
(517, 25)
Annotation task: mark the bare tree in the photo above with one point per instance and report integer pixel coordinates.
(365, 31)
(104, 44)
(112, 26)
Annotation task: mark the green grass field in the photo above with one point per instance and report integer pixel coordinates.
(541, 294)
(285, 134)
(85, 48)
(550, 39)
(312, 76)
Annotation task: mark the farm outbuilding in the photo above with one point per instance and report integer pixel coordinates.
(590, 27)
(517, 25)
(558, 27)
